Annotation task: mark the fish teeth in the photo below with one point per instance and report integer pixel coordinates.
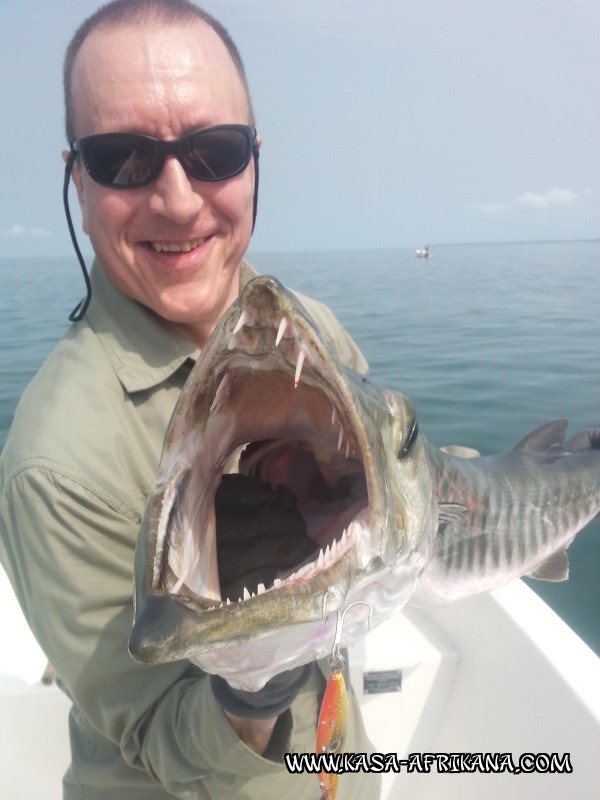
(340, 438)
(299, 365)
(222, 390)
(333, 416)
(326, 558)
(282, 329)
(241, 322)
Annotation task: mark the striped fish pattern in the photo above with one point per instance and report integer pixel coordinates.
(511, 514)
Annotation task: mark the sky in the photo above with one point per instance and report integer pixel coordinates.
(386, 124)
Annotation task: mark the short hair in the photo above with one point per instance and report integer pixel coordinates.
(118, 12)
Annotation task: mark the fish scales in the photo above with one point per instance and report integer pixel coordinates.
(393, 519)
(518, 528)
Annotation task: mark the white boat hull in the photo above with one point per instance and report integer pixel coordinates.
(498, 673)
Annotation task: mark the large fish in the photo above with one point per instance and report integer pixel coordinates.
(389, 517)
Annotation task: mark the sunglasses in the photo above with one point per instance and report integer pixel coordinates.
(132, 160)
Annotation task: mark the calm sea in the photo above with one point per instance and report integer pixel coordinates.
(489, 342)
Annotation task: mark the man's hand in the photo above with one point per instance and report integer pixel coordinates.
(253, 715)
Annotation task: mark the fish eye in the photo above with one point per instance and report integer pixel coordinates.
(334, 745)
(410, 440)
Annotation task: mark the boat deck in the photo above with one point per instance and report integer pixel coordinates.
(497, 673)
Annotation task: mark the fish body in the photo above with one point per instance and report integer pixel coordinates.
(511, 514)
(392, 518)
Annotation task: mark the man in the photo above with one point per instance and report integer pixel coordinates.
(169, 229)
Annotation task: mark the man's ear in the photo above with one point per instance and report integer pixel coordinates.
(78, 181)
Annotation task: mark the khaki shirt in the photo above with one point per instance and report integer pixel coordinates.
(79, 463)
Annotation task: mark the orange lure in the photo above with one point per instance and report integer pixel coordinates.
(333, 714)
(332, 726)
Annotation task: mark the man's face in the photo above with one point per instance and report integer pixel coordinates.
(176, 244)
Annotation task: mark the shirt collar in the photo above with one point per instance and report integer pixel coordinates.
(143, 349)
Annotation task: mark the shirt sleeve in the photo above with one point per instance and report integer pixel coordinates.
(67, 548)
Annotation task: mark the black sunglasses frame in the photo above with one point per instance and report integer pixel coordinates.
(79, 311)
(160, 149)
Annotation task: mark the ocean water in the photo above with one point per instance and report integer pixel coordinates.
(488, 341)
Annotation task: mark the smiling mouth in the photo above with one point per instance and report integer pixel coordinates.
(176, 247)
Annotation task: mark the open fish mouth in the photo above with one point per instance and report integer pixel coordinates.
(274, 421)
(269, 417)
(290, 487)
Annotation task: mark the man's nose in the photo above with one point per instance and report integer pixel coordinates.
(174, 196)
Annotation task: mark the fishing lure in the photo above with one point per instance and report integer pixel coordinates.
(332, 724)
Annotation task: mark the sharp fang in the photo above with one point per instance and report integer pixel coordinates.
(260, 589)
(277, 583)
(241, 322)
(333, 415)
(340, 438)
(222, 389)
(321, 560)
(282, 328)
(246, 595)
(299, 364)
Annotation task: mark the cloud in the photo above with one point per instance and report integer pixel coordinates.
(555, 197)
(534, 201)
(18, 231)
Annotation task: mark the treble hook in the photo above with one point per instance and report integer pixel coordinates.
(337, 660)
(332, 723)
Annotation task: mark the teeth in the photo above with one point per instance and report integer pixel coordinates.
(221, 393)
(326, 558)
(340, 438)
(282, 328)
(333, 416)
(299, 364)
(347, 449)
(176, 247)
(241, 322)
